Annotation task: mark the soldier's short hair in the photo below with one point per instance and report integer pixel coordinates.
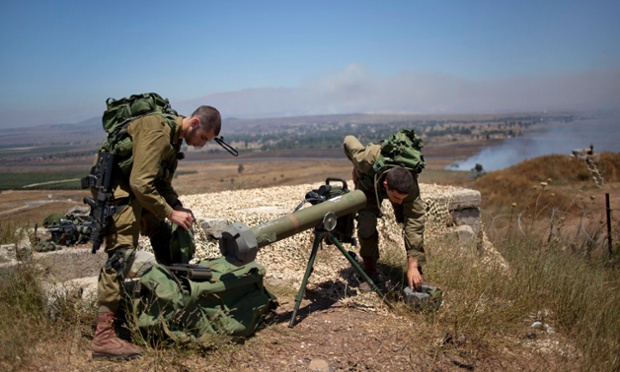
(210, 118)
(400, 180)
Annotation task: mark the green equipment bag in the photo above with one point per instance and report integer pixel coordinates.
(214, 298)
(402, 149)
(121, 112)
(172, 243)
(182, 245)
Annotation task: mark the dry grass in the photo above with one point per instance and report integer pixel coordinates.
(521, 183)
(22, 319)
(487, 322)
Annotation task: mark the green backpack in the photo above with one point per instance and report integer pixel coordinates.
(194, 303)
(402, 149)
(121, 112)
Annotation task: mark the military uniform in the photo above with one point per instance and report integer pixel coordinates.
(144, 198)
(411, 212)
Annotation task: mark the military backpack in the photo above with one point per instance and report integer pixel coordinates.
(403, 149)
(120, 113)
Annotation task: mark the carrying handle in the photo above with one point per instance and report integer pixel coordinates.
(231, 150)
(341, 180)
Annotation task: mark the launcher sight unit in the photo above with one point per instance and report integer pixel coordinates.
(344, 225)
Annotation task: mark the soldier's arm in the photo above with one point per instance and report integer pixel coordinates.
(362, 157)
(150, 142)
(165, 188)
(414, 219)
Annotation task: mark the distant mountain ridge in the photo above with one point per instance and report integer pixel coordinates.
(47, 134)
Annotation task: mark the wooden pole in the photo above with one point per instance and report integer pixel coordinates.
(608, 223)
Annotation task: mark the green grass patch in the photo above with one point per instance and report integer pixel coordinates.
(60, 180)
(46, 180)
(184, 172)
(48, 151)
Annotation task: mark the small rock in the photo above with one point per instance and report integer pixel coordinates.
(275, 282)
(320, 365)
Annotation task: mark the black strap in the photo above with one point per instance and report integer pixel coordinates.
(231, 150)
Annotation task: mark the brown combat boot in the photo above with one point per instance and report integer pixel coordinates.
(370, 268)
(107, 345)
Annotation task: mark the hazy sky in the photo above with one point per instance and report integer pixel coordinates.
(60, 60)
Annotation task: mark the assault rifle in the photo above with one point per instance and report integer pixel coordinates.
(65, 233)
(69, 233)
(101, 208)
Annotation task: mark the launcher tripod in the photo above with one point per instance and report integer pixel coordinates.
(325, 232)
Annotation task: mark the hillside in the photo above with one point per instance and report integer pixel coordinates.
(485, 323)
(550, 196)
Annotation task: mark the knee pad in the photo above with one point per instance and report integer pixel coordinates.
(120, 261)
(366, 224)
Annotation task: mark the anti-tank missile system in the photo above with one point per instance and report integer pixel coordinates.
(331, 215)
(333, 208)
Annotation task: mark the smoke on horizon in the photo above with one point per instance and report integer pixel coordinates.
(560, 139)
(357, 90)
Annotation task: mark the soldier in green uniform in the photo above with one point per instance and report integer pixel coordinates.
(145, 199)
(398, 185)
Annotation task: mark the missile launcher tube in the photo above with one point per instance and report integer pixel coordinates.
(240, 244)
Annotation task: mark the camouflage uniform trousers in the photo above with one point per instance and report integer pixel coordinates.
(367, 233)
(121, 240)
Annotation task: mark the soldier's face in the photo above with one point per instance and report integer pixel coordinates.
(394, 196)
(198, 136)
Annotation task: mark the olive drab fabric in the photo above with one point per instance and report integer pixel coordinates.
(233, 302)
(121, 112)
(53, 219)
(404, 149)
(182, 247)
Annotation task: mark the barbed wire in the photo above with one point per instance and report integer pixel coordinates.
(581, 227)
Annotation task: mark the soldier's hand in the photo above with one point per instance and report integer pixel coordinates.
(414, 278)
(186, 210)
(183, 217)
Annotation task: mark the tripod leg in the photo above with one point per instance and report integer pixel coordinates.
(360, 271)
(315, 248)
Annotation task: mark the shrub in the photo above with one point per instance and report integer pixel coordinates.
(21, 315)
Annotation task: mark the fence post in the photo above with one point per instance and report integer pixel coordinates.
(608, 223)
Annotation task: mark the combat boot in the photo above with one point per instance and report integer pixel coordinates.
(107, 345)
(370, 268)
